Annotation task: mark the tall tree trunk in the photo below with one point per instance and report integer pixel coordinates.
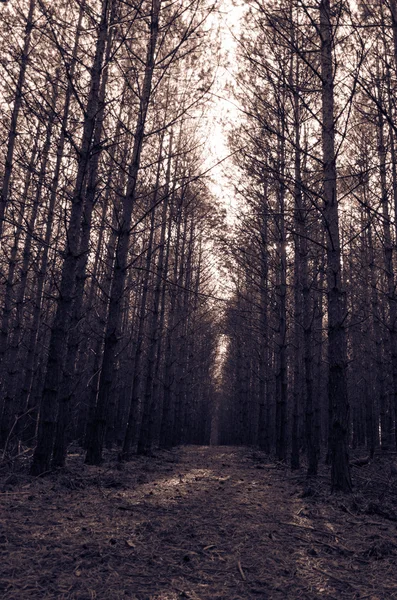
(69, 379)
(387, 435)
(148, 422)
(299, 258)
(264, 399)
(6, 404)
(184, 279)
(337, 357)
(8, 300)
(14, 367)
(94, 452)
(136, 402)
(168, 416)
(27, 399)
(281, 373)
(59, 333)
(12, 134)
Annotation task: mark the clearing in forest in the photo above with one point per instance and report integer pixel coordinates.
(198, 523)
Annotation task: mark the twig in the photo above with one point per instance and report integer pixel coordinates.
(16, 420)
(7, 493)
(325, 544)
(240, 568)
(307, 527)
(343, 581)
(348, 511)
(5, 462)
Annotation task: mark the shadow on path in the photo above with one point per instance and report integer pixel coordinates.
(199, 523)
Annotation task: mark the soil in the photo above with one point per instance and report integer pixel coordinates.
(196, 523)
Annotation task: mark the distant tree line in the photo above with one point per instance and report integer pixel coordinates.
(310, 365)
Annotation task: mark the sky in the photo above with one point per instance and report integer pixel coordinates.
(223, 112)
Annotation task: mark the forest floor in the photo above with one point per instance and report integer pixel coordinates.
(198, 523)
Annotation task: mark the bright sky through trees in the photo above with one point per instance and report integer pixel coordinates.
(223, 112)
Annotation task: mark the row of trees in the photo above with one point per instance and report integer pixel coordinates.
(107, 332)
(109, 327)
(311, 328)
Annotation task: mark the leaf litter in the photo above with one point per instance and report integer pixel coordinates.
(200, 523)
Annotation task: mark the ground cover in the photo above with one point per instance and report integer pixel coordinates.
(197, 523)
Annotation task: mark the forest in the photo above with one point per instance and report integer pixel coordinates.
(198, 299)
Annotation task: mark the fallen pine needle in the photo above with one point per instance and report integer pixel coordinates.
(240, 568)
(327, 574)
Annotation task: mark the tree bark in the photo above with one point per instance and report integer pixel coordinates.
(337, 359)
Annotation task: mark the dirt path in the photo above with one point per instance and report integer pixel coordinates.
(195, 523)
